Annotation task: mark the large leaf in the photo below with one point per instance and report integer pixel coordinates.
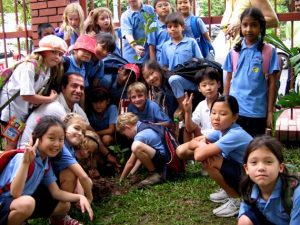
(292, 52)
(295, 61)
(275, 117)
(290, 100)
(277, 42)
(149, 19)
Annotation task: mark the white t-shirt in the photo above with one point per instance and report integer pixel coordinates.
(201, 116)
(58, 108)
(22, 79)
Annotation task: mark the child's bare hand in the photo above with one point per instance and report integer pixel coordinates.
(232, 31)
(30, 152)
(187, 102)
(86, 207)
(140, 50)
(53, 95)
(114, 162)
(89, 17)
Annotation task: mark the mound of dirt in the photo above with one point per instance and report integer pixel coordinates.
(105, 187)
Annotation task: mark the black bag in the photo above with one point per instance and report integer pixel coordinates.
(112, 63)
(189, 69)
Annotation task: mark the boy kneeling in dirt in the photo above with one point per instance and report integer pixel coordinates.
(147, 147)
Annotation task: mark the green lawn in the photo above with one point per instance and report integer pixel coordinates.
(184, 201)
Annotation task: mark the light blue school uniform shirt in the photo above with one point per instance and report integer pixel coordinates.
(93, 70)
(73, 38)
(151, 138)
(131, 22)
(233, 143)
(158, 38)
(273, 209)
(42, 173)
(188, 28)
(73, 67)
(109, 117)
(151, 113)
(173, 54)
(64, 159)
(249, 85)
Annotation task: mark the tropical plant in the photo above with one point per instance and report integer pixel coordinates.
(121, 154)
(292, 99)
(292, 52)
(149, 19)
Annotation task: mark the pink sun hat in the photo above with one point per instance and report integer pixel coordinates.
(52, 43)
(86, 42)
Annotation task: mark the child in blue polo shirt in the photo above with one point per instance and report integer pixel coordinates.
(198, 122)
(102, 115)
(147, 147)
(184, 6)
(253, 87)
(157, 38)
(160, 90)
(144, 108)
(132, 30)
(17, 204)
(84, 49)
(69, 172)
(221, 152)
(94, 68)
(177, 51)
(271, 194)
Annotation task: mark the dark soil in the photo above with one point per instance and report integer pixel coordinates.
(106, 187)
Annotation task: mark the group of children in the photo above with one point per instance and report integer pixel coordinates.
(219, 133)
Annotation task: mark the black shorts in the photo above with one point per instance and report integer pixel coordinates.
(159, 161)
(231, 172)
(5, 209)
(253, 126)
(256, 217)
(44, 202)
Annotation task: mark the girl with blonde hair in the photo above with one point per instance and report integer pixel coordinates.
(73, 21)
(29, 78)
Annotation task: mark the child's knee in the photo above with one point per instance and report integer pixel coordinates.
(173, 80)
(67, 180)
(136, 147)
(244, 220)
(23, 205)
(181, 150)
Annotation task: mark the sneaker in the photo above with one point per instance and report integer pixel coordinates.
(67, 220)
(229, 209)
(219, 197)
(153, 178)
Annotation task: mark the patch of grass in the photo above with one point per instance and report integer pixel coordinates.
(292, 155)
(182, 201)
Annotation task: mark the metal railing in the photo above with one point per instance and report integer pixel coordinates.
(26, 32)
(21, 31)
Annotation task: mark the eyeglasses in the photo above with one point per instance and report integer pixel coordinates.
(166, 4)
